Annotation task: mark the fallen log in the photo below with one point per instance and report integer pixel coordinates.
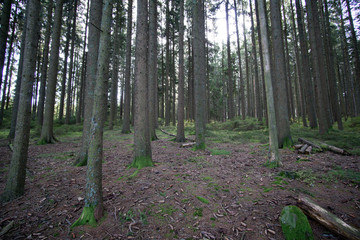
(310, 143)
(308, 150)
(327, 219)
(185, 145)
(298, 146)
(303, 148)
(334, 149)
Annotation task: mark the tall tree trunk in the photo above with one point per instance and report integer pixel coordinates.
(305, 69)
(167, 66)
(18, 81)
(318, 65)
(115, 70)
(17, 171)
(356, 59)
(257, 109)
(279, 85)
(274, 152)
(44, 68)
(241, 90)
(142, 148)
(9, 62)
(230, 85)
(4, 29)
(331, 69)
(93, 209)
(248, 95)
(191, 102)
(65, 68)
(180, 133)
(47, 135)
(91, 71)
(72, 48)
(127, 96)
(200, 73)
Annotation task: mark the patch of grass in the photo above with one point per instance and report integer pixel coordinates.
(185, 200)
(267, 189)
(202, 199)
(290, 175)
(207, 178)
(163, 194)
(345, 174)
(198, 212)
(279, 181)
(219, 152)
(307, 176)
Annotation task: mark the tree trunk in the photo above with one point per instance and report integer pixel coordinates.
(305, 69)
(142, 148)
(167, 66)
(246, 65)
(44, 68)
(69, 85)
(47, 135)
(115, 70)
(280, 91)
(230, 85)
(91, 71)
(127, 96)
(93, 209)
(17, 171)
(4, 29)
(199, 73)
(318, 65)
(180, 133)
(274, 151)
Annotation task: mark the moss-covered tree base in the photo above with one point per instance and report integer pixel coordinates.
(141, 162)
(295, 224)
(87, 217)
(7, 196)
(201, 146)
(80, 162)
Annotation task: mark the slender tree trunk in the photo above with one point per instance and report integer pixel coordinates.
(4, 29)
(180, 134)
(356, 59)
(17, 171)
(91, 71)
(305, 69)
(248, 96)
(142, 148)
(274, 152)
(241, 92)
(93, 209)
(318, 65)
(200, 73)
(127, 97)
(279, 85)
(44, 68)
(115, 70)
(167, 66)
(47, 135)
(72, 48)
(230, 99)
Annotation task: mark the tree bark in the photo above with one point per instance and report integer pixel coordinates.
(142, 148)
(17, 171)
(230, 85)
(4, 29)
(47, 135)
(91, 71)
(127, 96)
(248, 95)
(273, 141)
(200, 72)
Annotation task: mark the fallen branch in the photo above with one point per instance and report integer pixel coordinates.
(7, 228)
(328, 219)
(334, 149)
(185, 145)
(172, 135)
(310, 143)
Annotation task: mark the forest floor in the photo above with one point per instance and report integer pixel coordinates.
(224, 192)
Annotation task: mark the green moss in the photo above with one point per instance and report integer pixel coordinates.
(219, 152)
(201, 146)
(141, 162)
(271, 164)
(198, 212)
(202, 199)
(295, 224)
(86, 218)
(287, 143)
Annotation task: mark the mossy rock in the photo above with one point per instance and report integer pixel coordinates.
(295, 224)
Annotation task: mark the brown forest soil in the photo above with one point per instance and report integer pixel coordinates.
(244, 197)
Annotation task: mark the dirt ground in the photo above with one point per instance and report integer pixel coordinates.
(227, 194)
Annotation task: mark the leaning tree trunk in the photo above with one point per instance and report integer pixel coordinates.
(142, 148)
(274, 151)
(93, 209)
(127, 95)
(17, 171)
(47, 135)
(91, 70)
(199, 73)
(180, 134)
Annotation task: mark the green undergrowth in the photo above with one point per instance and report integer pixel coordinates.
(203, 200)
(219, 152)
